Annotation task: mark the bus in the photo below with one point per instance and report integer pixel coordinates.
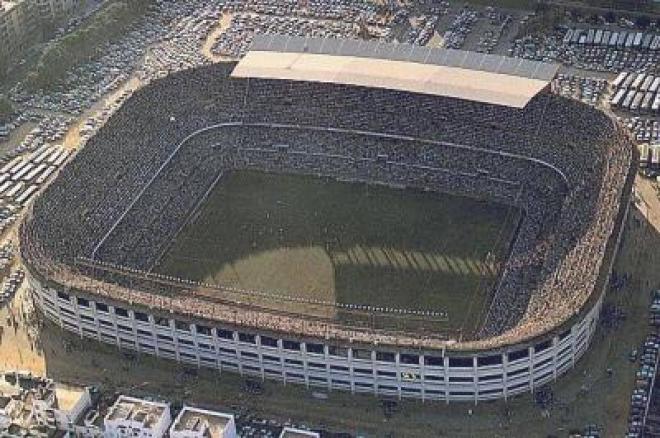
(18, 167)
(618, 81)
(26, 195)
(15, 190)
(36, 171)
(7, 167)
(43, 155)
(618, 97)
(55, 155)
(62, 158)
(24, 171)
(44, 176)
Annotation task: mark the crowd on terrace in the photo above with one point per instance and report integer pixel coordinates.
(134, 185)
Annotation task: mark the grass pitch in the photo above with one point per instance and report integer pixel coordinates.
(309, 237)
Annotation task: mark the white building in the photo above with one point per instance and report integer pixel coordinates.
(29, 403)
(65, 408)
(290, 432)
(200, 423)
(136, 418)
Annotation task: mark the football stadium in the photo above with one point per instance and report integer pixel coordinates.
(354, 215)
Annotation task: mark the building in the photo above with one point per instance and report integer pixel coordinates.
(201, 423)
(137, 418)
(290, 432)
(520, 349)
(32, 405)
(68, 406)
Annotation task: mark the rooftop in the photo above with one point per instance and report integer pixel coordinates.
(466, 75)
(290, 432)
(68, 395)
(136, 410)
(8, 5)
(196, 420)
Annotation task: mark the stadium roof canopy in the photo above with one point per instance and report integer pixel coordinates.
(466, 75)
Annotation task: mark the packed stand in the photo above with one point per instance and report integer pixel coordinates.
(562, 162)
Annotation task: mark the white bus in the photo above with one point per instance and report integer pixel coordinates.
(15, 190)
(62, 158)
(54, 155)
(616, 83)
(26, 195)
(638, 81)
(643, 154)
(17, 168)
(647, 101)
(42, 156)
(656, 103)
(24, 171)
(637, 101)
(654, 86)
(618, 97)
(5, 186)
(630, 95)
(44, 176)
(647, 83)
(7, 167)
(36, 171)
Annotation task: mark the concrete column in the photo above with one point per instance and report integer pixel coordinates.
(397, 364)
(422, 376)
(505, 370)
(350, 370)
(446, 365)
(530, 359)
(214, 336)
(280, 352)
(374, 372)
(303, 353)
(326, 356)
(475, 375)
(234, 336)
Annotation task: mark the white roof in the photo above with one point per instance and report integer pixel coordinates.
(454, 73)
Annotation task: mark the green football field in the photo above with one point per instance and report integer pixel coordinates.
(289, 236)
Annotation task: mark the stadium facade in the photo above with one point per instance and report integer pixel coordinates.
(92, 237)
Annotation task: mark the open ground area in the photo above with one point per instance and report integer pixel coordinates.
(338, 242)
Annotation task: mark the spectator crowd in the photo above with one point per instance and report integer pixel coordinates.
(130, 190)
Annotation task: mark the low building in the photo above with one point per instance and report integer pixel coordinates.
(67, 406)
(290, 432)
(201, 423)
(137, 418)
(36, 405)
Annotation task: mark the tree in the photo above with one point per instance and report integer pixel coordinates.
(643, 21)
(610, 17)
(4, 66)
(6, 107)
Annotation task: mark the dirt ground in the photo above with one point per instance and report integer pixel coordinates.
(586, 395)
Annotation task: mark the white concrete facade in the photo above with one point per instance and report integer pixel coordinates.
(137, 418)
(290, 432)
(201, 423)
(426, 375)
